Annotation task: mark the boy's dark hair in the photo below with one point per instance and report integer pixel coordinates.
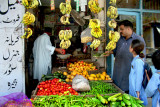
(138, 47)
(126, 23)
(156, 59)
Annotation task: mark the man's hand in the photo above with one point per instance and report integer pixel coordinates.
(107, 53)
(60, 50)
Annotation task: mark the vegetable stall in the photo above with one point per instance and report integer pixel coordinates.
(79, 83)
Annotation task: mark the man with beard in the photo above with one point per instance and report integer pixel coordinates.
(123, 57)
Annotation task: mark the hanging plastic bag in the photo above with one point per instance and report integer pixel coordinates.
(80, 83)
(86, 36)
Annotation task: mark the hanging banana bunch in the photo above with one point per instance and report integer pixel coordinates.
(111, 46)
(112, 23)
(65, 9)
(94, 6)
(113, 35)
(28, 32)
(30, 3)
(112, 12)
(95, 44)
(65, 44)
(113, 2)
(64, 20)
(62, 8)
(64, 36)
(28, 18)
(96, 32)
(94, 23)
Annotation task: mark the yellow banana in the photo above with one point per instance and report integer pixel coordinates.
(68, 7)
(62, 8)
(94, 23)
(111, 46)
(112, 23)
(112, 2)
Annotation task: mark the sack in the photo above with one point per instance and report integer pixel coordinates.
(80, 83)
(149, 73)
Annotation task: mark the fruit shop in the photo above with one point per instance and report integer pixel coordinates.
(85, 29)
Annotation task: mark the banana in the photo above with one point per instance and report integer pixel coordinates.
(28, 18)
(94, 6)
(65, 44)
(68, 7)
(95, 44)
(111, 46)
(111, 34)
(96, 32)
(70, 34)
(64, 20)
(112, 2)
(28, 32)
(116, 37)
(94, 23)
(62, 8)
(112, 12)
(25, 3)
(61, 34)
(112, 23)
(33, 4)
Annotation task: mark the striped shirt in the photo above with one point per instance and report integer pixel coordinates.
(123, 59)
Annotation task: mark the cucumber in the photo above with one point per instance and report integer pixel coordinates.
(114, 96)
(139, 101)
(127, 102)
(47, 76)
(113, 99)
(126, 96)
(133, 105)
(103, 100)
(132, 102)
(122, 103)
(114, 104)
(138, 105)
(119, 98)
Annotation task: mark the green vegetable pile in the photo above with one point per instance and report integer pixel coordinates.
(123, 100)
(58, 75)
(100, 87)
(66, 101)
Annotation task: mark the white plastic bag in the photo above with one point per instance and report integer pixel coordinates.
(80, 83)
(86, 36)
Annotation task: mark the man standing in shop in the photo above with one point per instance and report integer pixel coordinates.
(123, 57)
(42, 51)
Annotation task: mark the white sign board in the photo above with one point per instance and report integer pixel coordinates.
(12, 77)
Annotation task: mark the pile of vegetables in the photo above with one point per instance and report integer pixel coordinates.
(55, 87)
(100, 87)
(66, 101)
(123, 100)
(117, 100)
(57, 74)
